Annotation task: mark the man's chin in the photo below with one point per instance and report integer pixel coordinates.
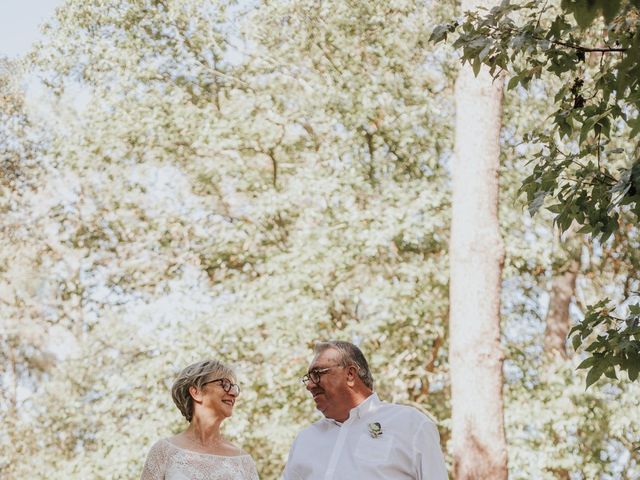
(320, 403)
(322, 410)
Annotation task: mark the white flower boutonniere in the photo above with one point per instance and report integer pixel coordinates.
(375, 430)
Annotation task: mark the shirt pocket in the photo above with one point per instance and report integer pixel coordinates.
(373, 450)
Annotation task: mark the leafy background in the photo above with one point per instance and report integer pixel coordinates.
(242, 179)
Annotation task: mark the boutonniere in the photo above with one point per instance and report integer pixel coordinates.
(375, 430)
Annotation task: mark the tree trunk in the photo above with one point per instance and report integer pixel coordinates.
(563, 289)
(476, 260)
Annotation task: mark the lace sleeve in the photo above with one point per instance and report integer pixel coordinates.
(249, 469)
(155, 466)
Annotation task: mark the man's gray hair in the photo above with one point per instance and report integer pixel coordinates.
(349, 355)
(195, 375)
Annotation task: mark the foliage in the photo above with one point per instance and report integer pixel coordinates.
(239, 210)
(554, 428)
(240, 180)
(617, 346)
(588, 443)
(25, 356)
(591, 103)
(584, 162)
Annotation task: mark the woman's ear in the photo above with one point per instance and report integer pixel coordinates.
(196, 394)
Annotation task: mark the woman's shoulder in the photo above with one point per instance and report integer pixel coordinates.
(158, 455)
(162, 448)
(234, 450)
(160, 445)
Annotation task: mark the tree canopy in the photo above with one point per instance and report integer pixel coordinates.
(585, 166)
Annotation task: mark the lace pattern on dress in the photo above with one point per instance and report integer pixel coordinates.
(169, 462)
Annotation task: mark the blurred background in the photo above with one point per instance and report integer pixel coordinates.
(184, 179)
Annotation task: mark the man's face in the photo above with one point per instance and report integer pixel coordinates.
(331, 393)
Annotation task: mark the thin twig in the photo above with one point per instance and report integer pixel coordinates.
(564, 44)
(541, 12)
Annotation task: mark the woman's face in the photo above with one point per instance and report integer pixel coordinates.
(216, 398)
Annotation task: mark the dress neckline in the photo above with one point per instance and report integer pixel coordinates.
(203, 453)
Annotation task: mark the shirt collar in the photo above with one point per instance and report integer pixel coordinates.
(366, 406)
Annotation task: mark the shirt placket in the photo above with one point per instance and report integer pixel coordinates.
(337, 449)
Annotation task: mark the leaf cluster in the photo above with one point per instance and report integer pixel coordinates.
(616, 345)
(586, 170)
(598, 65)
(617, 342)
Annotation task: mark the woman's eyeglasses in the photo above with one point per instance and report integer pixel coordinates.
(227, 385)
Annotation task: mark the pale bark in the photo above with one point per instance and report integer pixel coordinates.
(563, 287)
(477, 257)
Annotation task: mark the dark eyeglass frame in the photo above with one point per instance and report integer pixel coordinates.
(315, 375)
(226, 385)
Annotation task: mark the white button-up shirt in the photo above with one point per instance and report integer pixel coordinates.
(408, 446)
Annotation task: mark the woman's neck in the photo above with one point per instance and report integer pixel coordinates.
(205, 431)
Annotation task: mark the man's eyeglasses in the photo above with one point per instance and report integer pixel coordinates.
(314, 375)
(227, 386)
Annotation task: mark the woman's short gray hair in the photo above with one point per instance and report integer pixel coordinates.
(195, 375)
(349, 355)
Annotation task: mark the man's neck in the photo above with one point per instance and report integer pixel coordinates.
(360, 397)
(357, 398)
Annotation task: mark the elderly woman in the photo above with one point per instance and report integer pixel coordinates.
(205, 394)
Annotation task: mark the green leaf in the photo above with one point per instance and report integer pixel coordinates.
(611, 373)
(610, 9)
(556, 208)
(587, 127)
(484, 52)
(576, 341)
(536, 203)
(584, 12)
(635, 126)
(476, 64)
(595, 373)
(513, 82)
(439, 33)
(586, 363)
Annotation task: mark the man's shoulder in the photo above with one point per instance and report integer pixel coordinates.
(411, 412)
(320, 425)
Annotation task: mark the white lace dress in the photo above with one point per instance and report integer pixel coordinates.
(169, 462)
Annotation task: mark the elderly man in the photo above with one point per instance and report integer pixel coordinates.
(360, 437)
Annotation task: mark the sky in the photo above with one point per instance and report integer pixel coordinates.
(19, 22)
